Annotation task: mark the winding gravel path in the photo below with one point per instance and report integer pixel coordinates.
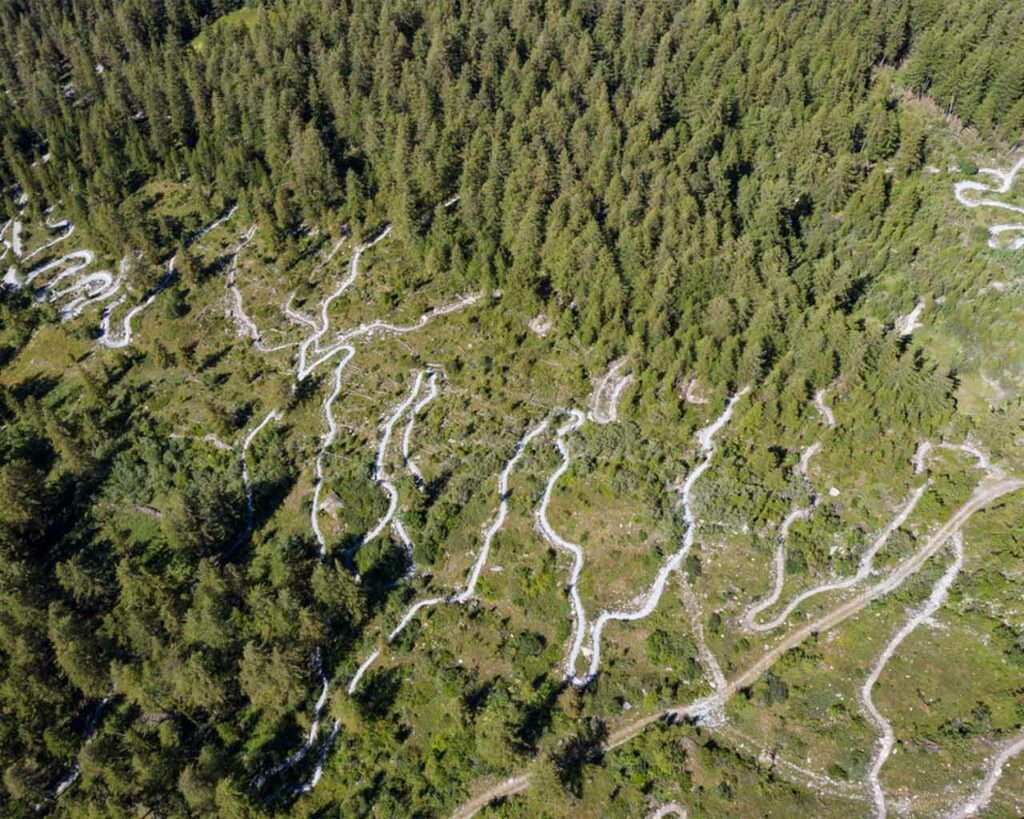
(579, 615)
(250, 507)
(417, 410)
(481, 560)
(823, 408)
(604, 402)
(705, 438)
(90, 732)
(888, 738)
(372, 328)
(380, 475)
(84, 290)
(314, 727)
(312, 353)
(779, 566)
(120, 339)
(64, 225)
(986, 493)
(325, 444)
(864, 569)
(246, 328)
(1005, 180)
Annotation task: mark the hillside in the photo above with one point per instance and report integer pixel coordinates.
(522, 409)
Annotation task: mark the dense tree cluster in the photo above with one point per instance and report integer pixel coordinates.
(651, 171)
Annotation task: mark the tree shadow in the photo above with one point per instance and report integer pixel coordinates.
(585, 748)
(35, 386)
(377, 695)
(538, 715)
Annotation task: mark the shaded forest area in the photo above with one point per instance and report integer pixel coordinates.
(694, 185)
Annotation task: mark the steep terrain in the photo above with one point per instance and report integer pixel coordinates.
(546, 409)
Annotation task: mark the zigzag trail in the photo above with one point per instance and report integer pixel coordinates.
(481, 560)
(62, 224)
(705, 438)
(544, 525)
(864, 569)
(245, 327)
(986, 493)
(325, 444)
(312, 342)
(90, 288)
(86, 290)
(984, 462)
(610, 396)
(380, 477)
(344, 340)
(1005, 182)
(313, 353)
(797, 513)
(823, 408)
(321, 702)
(114, 342)
(888, 738)
(314, 727)
(347, 352)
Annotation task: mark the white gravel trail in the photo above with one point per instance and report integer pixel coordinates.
(823, 408)
(982, 795)
(380, 477)
(779, 566)
(245, 326)
(986, 493)
(64, 225)
(250, 507)
(369, 329)
(579, 615)
(1005, 180)
(474, 576)
(604, 402)
(325, 444)
(705, 437)
(90, 731)
(314, 727)
(311, 346)
(499, 519)
(313, 353)
(118, 340)
(888, 738)
(864, 569)
(421, 405)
